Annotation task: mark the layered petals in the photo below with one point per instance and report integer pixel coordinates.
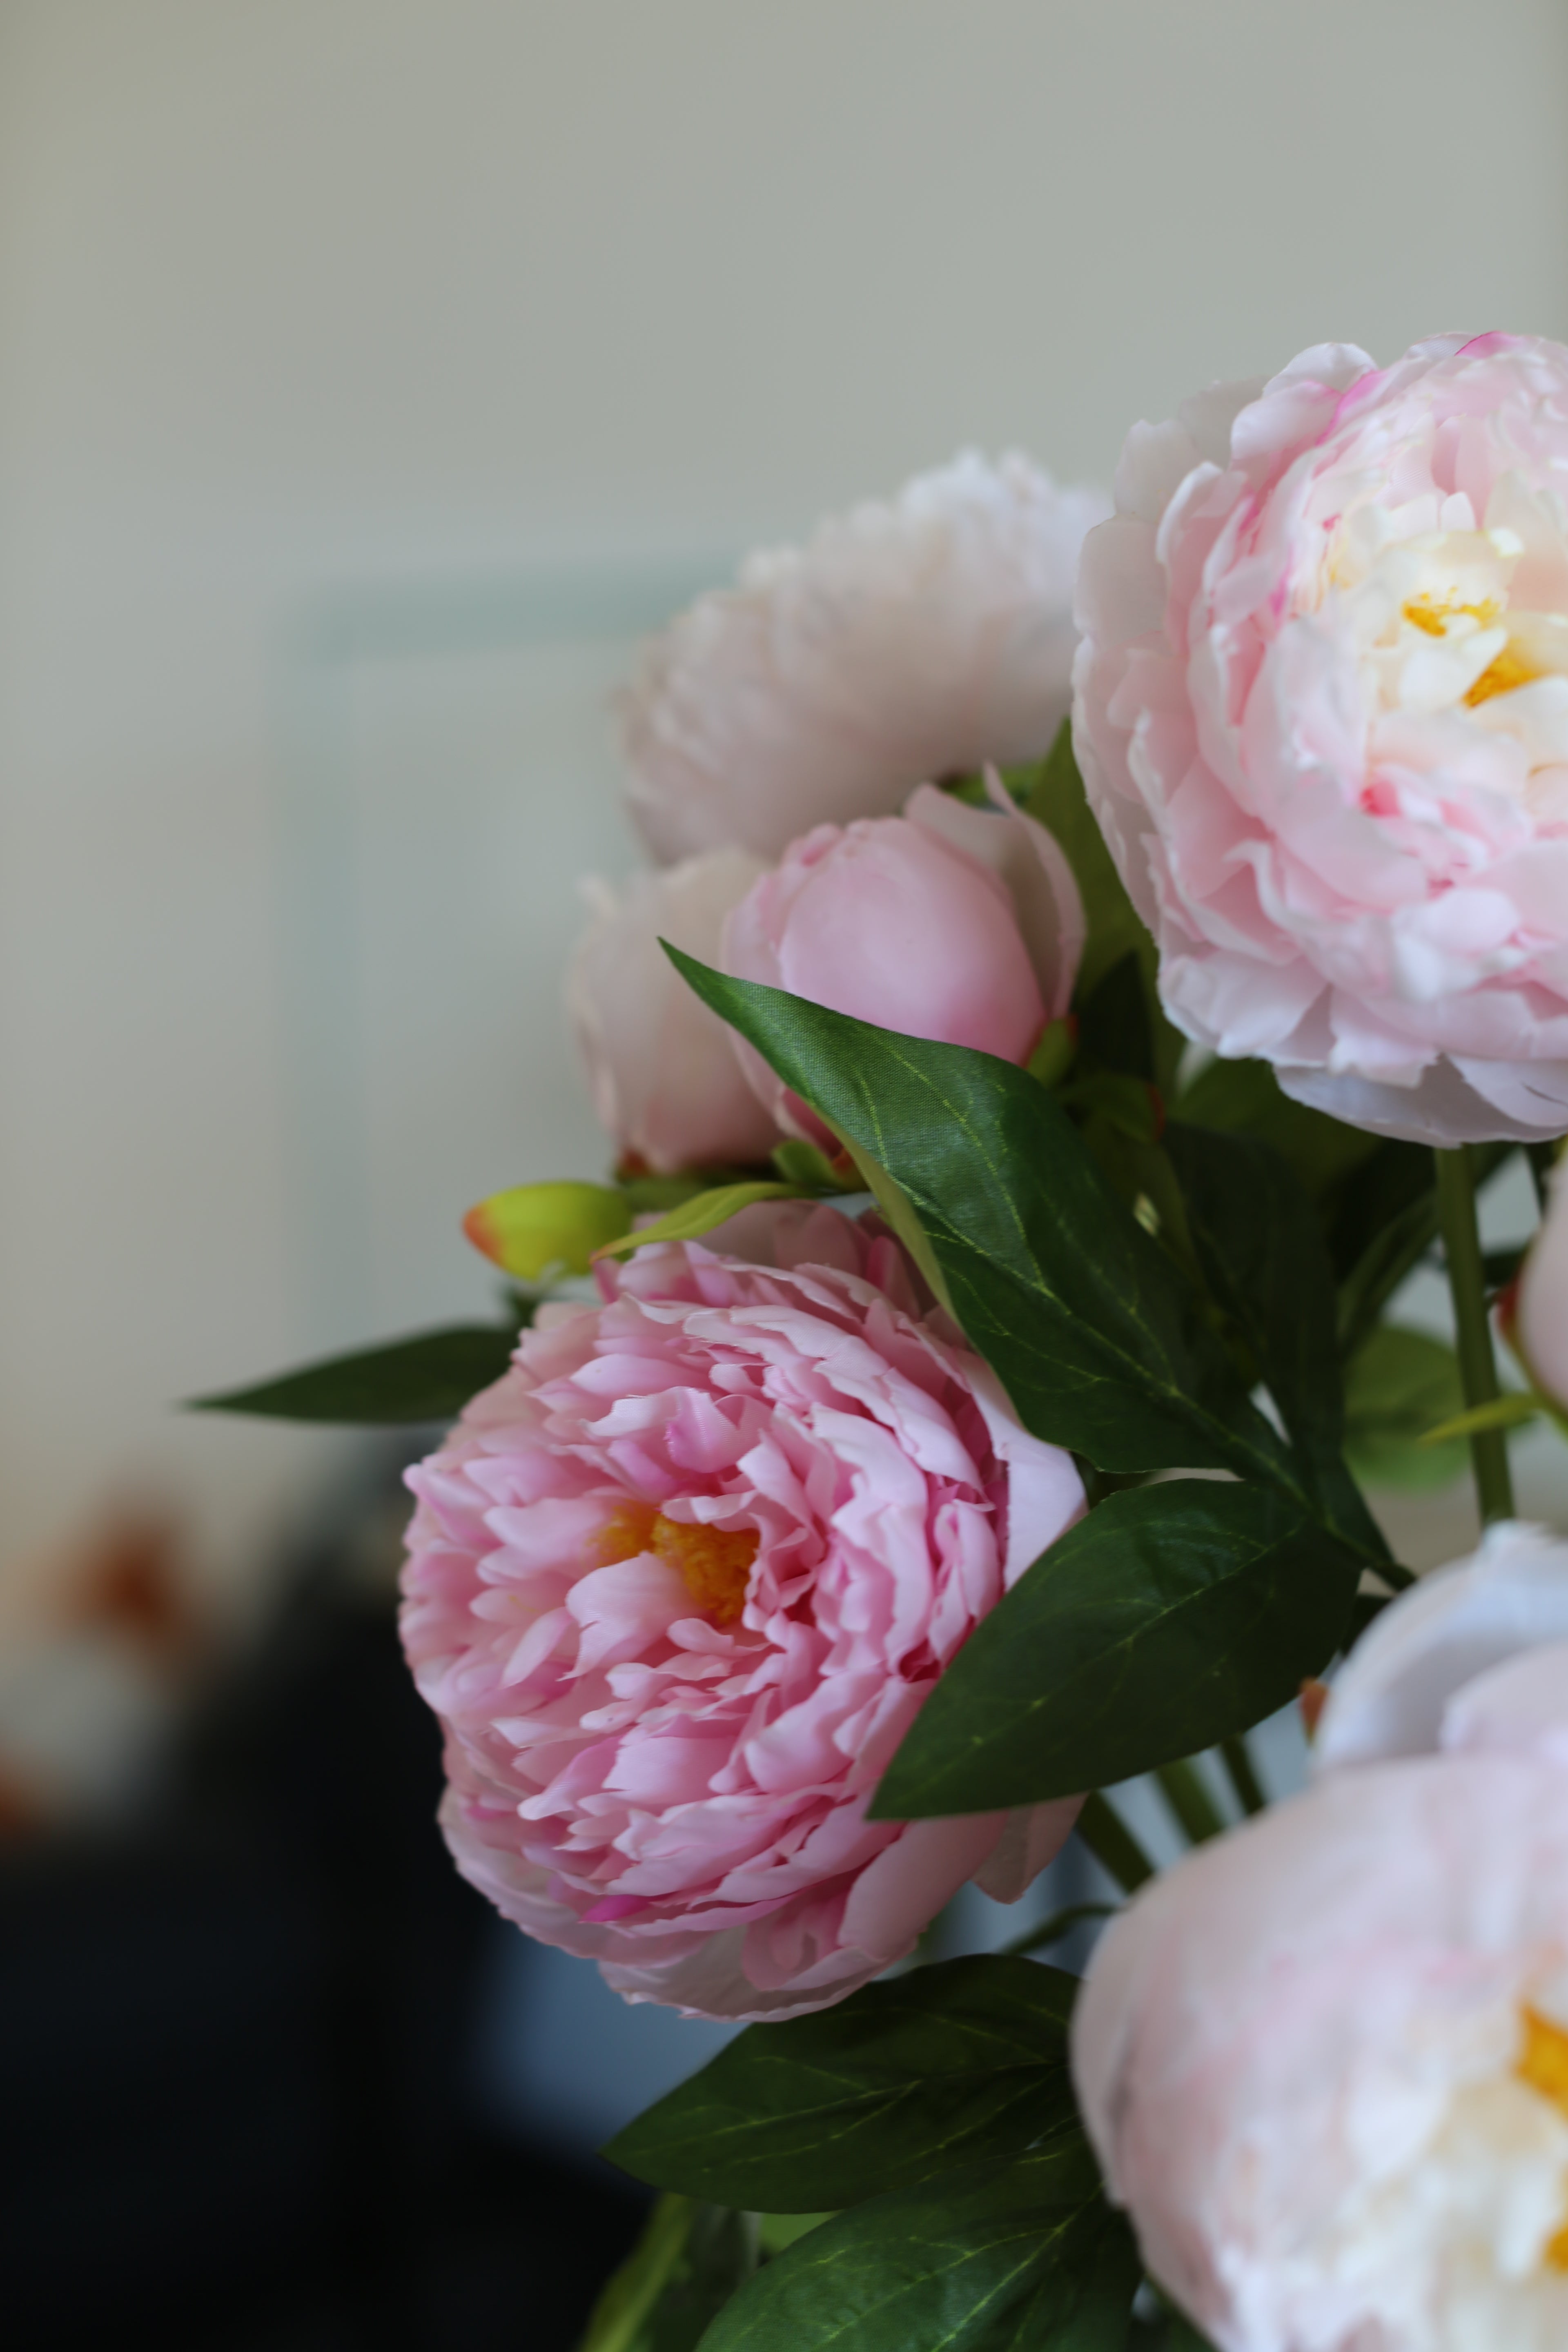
(1321, 711)
(678, 1585)
(905, 642)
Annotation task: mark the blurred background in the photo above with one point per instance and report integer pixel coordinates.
(376, 371)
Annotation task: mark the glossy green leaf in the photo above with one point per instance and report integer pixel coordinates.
(1263, 1256)
(1245, 1097)
(1021, 2256)
(1401, 1386)
(1172, 1617)
(688, 2262)
(429, 1377)
(900, 2081)
(1101, 1345)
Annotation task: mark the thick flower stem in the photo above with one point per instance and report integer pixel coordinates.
(1242, 1775)
(1051, 1931)
(1112, 1843)
(1477, 1365)
(1182, 1787)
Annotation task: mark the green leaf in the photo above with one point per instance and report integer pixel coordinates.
(1244, 1097)
(1113, 1027)
(1052, 792)
(1172, 1617)
(776, 2233)
(900, 2081)
(683, 2270)
(1401, 1386)
(1509, 1411)
(806, 1167)
(696, 1217)
(992, 2259)
(1263, 1256)
(1101, 1345)
(429, 1377)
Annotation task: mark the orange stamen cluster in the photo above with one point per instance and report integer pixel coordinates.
(715, 1563)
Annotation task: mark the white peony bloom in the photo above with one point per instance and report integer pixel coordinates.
(667, 1082)
(1405, 1688)
(904, 643)
(1324, 2062)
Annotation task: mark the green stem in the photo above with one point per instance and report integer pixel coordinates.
(1112, 1843)
(1238, 1760)
(1473, 1340)
(1182, 1787)
(1051, 1930)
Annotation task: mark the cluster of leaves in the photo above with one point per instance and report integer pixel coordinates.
(935, 2117)
(1183, 1284)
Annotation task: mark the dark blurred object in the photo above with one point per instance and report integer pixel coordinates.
(237, 2040)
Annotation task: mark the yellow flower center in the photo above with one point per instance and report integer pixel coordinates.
(714, 1562)
(1543, 2067)
(1434, 614)
(1512, 668)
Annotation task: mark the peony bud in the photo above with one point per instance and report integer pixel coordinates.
(665, 1084)
(535, 1229)
(951, 922)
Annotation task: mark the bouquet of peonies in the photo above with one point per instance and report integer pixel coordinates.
(952, 1408)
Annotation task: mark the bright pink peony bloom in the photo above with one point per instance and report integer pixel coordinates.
(949, 922)
(905, 642)
(1324, 2062)
(678, 1585)
(1321, 709)
(665, 1084)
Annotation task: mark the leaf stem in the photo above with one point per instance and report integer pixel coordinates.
(1112, 1843)
(1051, 1930)
(1477, 1365)
(1240, 1772)
(1180, 1785)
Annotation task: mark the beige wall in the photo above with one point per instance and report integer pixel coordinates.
(333, 331)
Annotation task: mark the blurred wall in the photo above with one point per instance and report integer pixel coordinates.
(373, 368)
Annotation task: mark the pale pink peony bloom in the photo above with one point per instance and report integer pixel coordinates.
(1324, 2062)
(1322, 710)
(1406, 1687)
(665, 1084)
(678, 1584)
(1537, 1326)
(954, 922)
(904, 643)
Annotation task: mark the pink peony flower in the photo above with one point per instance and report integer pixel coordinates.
(1537, 1324)
(678, 1585)
(665, 1084)
(949, 922)
(1408, 1687)
(1324, 2062)
(1321, 709)
(905, 642)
